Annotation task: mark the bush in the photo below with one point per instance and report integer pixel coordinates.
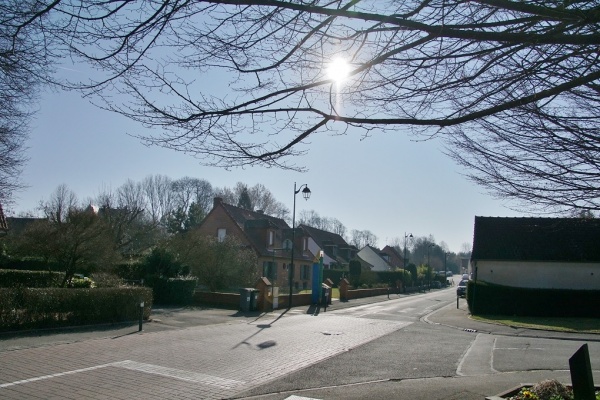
(28, 308)
(177, 291)
(11, 278)
(81, 282)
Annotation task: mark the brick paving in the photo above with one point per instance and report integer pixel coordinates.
(203, 362)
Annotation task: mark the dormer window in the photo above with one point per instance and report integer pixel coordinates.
(270, 238)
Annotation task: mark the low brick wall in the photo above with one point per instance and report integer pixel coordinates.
(297, 300)
(232, 300)
(222, 300)
(358, 293)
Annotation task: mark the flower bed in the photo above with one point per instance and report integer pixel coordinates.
(546, 390)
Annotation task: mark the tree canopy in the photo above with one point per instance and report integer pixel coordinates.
(511, 86)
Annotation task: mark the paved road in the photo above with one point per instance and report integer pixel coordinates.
(397, 348)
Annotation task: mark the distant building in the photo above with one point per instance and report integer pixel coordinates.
(550, 253)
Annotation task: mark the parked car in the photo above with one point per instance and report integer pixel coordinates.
(465, 277)
(461, 289)
(436, 284)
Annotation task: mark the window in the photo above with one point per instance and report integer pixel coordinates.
(271, 238)
(270, 270)
(221, 233)
(305, 244)
(304, 272)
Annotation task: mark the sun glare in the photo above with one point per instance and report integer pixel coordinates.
(338, 70)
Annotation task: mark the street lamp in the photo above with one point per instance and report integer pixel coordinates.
(406, 236)
(306, 195)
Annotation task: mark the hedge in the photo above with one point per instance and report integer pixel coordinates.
(176, 291)
(35, 308)
(12, 278)
(488, 299)
(34, 264)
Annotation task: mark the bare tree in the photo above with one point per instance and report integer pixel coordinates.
(159, 197)
(261, 198)
(512, 85)
(363, 238)
(62, 202)
(24, 65)
(264, 200)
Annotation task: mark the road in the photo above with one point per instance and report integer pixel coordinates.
(367, 351)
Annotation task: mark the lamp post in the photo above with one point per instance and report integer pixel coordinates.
(445, 269)
(429, 246)
(406, 236)
(306, 195)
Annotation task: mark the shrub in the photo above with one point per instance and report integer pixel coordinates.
(27, 308)
(11, 278)
(178, 291)
(81, 282)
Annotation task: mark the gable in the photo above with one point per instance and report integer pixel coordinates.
(371, 256)
(331, 243)
(536, 239)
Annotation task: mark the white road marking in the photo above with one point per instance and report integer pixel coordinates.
(180, 374)
(41, 378)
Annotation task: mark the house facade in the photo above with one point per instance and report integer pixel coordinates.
(550, 253)
(393, 257)
(269, 237)
(374, 258)
(336, 252)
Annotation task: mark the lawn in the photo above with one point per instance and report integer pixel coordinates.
(578, 325)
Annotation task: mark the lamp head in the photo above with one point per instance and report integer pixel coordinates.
(306, 193)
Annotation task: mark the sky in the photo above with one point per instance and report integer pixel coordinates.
(386, 184)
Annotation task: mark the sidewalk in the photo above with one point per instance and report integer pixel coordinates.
(440, 387)
(169, 318)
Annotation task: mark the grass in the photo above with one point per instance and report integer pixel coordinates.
(577, 325)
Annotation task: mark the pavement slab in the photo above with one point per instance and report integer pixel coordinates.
(204, 362)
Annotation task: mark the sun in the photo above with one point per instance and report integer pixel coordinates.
(338, 70)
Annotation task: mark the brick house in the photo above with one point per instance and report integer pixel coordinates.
(373, 258)
(268, 236)
(393, 257)
(336, 252)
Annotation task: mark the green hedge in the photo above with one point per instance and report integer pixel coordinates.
(488, 299)
(33, 264)
(176, 291)
(34, 308)
(12, 278)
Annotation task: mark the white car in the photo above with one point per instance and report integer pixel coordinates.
(465, 276)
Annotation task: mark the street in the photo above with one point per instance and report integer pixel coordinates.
(368, 351)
